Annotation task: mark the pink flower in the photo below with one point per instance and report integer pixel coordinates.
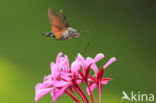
(66, 79)
(99, 80)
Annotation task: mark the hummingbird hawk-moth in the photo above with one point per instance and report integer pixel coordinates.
(60, 28)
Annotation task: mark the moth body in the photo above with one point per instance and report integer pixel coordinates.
(69, 34)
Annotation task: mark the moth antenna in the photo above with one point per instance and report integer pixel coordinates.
(86, 30)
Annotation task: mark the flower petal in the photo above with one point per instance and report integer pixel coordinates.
(105, 80)
(100, 75)
(92, 87)
(79, 81)
(66, 76)
(80, 58)
(58, 93)
(75, 66)
(55, 69)
(93, 66)
(113, 59)
(65, 66)
(52, 67)
(88, 61)
(40, 91)
(58, 57)
(98, 57)
(60, 83)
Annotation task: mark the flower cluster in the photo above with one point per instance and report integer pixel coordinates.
(66, 79)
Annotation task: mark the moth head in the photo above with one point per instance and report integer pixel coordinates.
(74, 32)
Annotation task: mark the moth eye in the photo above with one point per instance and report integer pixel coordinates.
(70, 31)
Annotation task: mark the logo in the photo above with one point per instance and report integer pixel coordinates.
(137, 96)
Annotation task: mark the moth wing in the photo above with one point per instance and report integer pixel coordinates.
(65, 21)
(57, 25)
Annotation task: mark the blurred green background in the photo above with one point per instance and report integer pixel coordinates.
(125, 29)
